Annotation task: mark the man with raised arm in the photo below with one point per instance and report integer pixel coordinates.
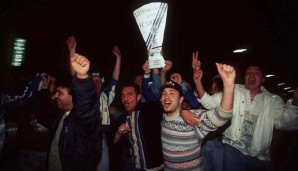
(181, 143)
(75, 140)
(255, 113)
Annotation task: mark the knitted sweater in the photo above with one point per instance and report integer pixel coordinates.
(181, 143)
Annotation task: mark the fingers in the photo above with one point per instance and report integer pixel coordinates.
(224, 67)
(71, 42)
(81, 60)
(116, 50)
(193, 122)
(176, 77)
(196, 64)
(195, 56)
(198, 74)
(123, 129)
(169, 63)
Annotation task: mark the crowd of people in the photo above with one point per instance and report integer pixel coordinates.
(162, 123)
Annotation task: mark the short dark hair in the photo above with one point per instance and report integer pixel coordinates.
(255, 64)
(135, 86)
(66, 85)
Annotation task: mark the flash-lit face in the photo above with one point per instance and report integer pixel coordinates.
(129, 98)
(254, 78)
(171, 101)
(63, 98)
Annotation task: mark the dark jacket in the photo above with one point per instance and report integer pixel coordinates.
(79, 141)
(149, 124)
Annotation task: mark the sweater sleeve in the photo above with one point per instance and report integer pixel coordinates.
(211, 120)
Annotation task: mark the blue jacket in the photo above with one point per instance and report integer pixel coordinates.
(17, 100)
(79, 140)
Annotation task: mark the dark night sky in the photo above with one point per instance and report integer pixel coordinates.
(267, 28)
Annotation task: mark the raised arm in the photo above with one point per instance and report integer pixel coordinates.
(228, 75)
(164, 70)
(147, 92)
(116, 72)
(71, 44)
(80, 65)
(197, 74)
(85, 101)
(155, 86)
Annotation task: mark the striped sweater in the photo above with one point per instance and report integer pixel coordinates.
(181, 143)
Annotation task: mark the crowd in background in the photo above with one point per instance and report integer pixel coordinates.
(154, 120)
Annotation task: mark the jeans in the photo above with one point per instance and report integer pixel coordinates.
(212, 153)
(105, 160)
(234, 160)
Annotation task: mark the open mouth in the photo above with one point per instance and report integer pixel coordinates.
(167, 104)
(58, 101)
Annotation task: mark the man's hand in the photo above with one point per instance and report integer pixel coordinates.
(196, 64)
(116, 51)
(122, 129)
(227, 73)
(176, 77)
(71, 44)
(168, 66)
(197, 75)
(190, 118)
(80, 65)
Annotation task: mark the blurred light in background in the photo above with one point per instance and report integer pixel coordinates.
(18, 55)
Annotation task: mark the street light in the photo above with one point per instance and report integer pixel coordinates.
(239, 50)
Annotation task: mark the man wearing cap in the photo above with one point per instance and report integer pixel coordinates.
(181, 143)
